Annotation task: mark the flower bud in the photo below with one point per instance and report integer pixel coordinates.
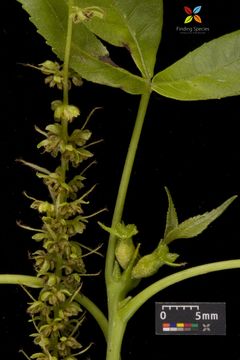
(124, 252)
(149, 264)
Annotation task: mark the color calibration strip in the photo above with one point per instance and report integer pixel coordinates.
(179, 326)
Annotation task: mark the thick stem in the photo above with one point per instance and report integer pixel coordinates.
(123, 187)
(117, 324)
(116, 332)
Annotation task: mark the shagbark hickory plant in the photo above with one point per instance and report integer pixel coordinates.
(78, 32)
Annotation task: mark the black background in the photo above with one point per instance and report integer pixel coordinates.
(191, 147)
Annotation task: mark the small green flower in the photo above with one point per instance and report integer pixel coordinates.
(43, 207)
(66, 112)
(49, 67)
(75, 155)
(69, 342)
(80, 137)
(72, 309)
(35, 307)
(53, 280)
(54, 72)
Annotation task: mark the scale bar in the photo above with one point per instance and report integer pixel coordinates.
(183, 307)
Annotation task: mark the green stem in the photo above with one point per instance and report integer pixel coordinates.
(117, 215)
(15, 279)
(95, 312)
(137, 301)
(117, 330)
(67, 53)
(117, 324)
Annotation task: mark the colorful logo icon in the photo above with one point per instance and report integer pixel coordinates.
(192, 14)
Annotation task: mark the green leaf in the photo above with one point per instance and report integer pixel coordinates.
(172, 219)
(89, 58)
(212, 71)
(135, 24)
(197, 224)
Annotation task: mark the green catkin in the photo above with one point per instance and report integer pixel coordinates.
(55, 313)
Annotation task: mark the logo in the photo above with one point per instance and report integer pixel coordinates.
(194, 20)
(192, 14)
